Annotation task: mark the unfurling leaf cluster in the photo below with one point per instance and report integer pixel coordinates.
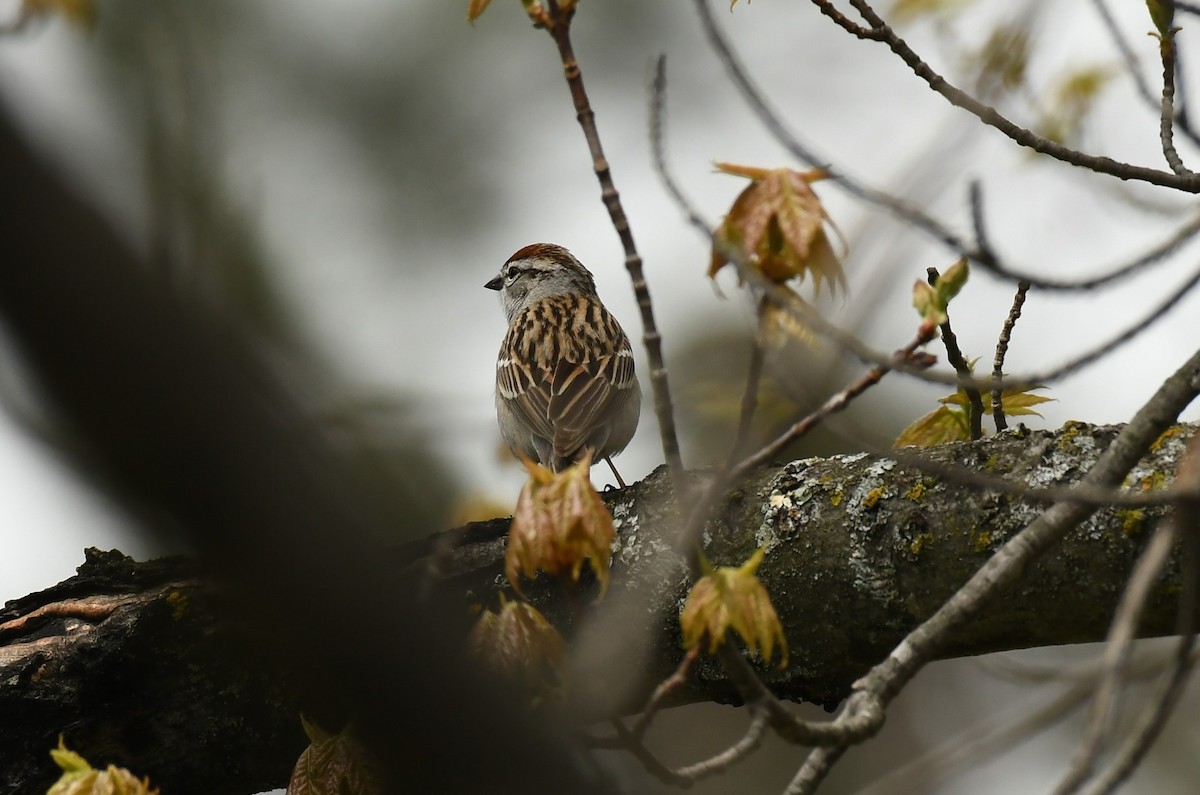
(80, 778)
(520, 645)
(733, 598)
(933, 300)
(560, 522)
(778, 225)
(333, 764)
(949, 422)
(1162, 14)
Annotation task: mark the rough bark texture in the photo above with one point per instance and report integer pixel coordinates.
(141, 664)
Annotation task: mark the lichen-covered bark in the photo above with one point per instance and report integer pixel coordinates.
(138, 663)
(861, 549)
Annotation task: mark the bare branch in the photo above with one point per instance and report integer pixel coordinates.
(560, 30)
(718, 763)
(1125, 623)
(908, 355)
(664, 689)
(1155, 715)
(771, 120)
(880, 31)
(1014, 313)
(816, 766)
(1117, 654)
(1166, 124)
(954, 355)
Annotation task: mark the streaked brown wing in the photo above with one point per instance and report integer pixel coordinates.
(527, 390)
(582, 394)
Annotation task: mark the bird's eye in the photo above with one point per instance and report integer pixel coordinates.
(512, 275)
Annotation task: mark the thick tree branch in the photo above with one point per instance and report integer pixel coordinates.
(860, 550)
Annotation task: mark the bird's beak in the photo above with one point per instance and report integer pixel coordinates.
(495, 284)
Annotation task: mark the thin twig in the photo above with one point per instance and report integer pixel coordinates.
(908, 355)
(1153, 719)
(650, 762)
(1127, 54)
(1159, 709)
(758, 103)
(560, 30)
(979, 223)
(879, 30)
(860, 719)
(1135, 73)
(1014, 313)
(1129, 611)
(816, 766)
(664, 689)
(954, 355)
(1157, 253)
(926, 223)
(1166, 122)
(1116, 656)
(690, 774)
(721, 762)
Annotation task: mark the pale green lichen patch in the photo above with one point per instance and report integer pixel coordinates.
(916, 493)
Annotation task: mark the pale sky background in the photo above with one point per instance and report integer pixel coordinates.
(386, 265)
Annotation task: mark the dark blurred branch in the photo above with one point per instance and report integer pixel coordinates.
(193, 433)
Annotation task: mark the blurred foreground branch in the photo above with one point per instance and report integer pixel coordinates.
(189, 427)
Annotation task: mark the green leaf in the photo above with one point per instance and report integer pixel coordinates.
(951, 282)
(1162, 13)
(939, 426)
(1018, 403)
(925, 299)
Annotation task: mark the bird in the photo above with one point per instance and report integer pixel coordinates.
(565, 380)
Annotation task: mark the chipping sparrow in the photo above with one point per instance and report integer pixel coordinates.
(564, 377)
